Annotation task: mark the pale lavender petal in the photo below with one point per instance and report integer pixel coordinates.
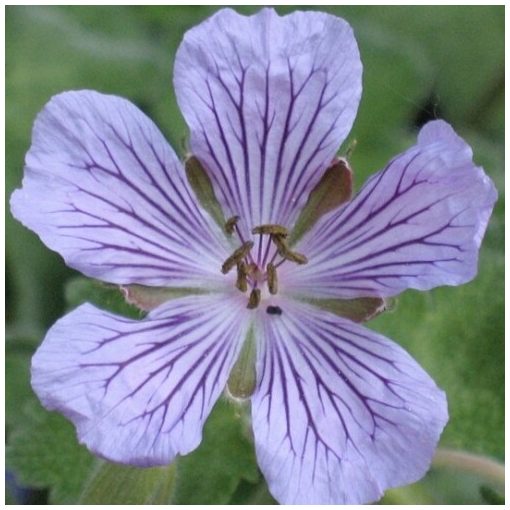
(340, 413)
(268, 100)
(139, 392)
(416, 224)
(104, 189)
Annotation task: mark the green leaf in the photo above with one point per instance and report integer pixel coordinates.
(455, 478)
(115, 484)
(17, 382)
(456, 333)
(211, 474)
(44, 453)
(491, 496)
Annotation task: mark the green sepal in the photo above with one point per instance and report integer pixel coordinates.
(147, 298)
(243, 377)
(333, 190)
(357, 310)
(203, 188)
(106, 296)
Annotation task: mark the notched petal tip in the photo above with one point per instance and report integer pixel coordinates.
(268, 99)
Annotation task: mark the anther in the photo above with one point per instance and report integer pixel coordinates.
(272, 279)
(298, 258)
(254, 299)
(274, 310)
(236, 257)
(242, 273)
(287, 253)
(281, 245)
(271, 229)
(230, 225)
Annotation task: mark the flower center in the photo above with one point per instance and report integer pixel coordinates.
(257, 267)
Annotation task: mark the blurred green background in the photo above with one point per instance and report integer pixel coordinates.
(419, 63)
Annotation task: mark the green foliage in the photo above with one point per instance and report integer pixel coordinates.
(211, 474)
(449, 58)
(456, 333)
(113, 484)
(44, 453)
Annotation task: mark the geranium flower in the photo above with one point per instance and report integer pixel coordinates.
(339, 412)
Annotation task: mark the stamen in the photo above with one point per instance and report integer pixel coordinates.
(231, 224)
(287, 253)
(273, 229)
(259, 253)
(281, 245)
(242, 273)
(272, 279)
(236, 257)
(298, 258)
(268, 247)
(273, 258)
(254, 300)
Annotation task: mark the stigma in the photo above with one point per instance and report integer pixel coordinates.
(257, 260)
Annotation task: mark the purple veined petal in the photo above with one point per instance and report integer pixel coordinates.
(340, 413)
(416, 224)
(104, 189)
(139, 392)
(268, 101)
